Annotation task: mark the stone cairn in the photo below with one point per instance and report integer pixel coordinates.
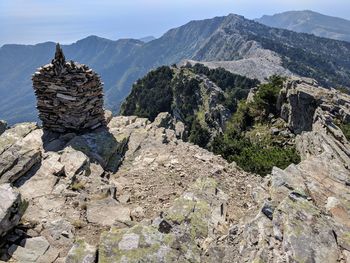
(69, 96)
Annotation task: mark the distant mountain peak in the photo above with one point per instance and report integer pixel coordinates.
(308, 21)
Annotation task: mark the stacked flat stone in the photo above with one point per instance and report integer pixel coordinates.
(69, 96)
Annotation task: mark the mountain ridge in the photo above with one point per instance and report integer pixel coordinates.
(308, 21)
(121, 62)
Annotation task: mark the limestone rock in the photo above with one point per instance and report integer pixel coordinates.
(12, 207)
(74, 162)
(108, 116)
(101, 147)
(299, 219)
(20, 150)
(81, 252)
(46, 177)
(32, 250)
(16, 133)
(16, 162)
(21, 254)
(37, 244)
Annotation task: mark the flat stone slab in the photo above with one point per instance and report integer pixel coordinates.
(107, 211)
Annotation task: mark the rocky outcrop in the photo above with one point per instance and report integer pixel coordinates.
(19, 151)
(12, 208)
(200, 101)
(213, 108)
(69, 96)
(300, 99)
(314, 113)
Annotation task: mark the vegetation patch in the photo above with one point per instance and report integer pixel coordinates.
(251, 118)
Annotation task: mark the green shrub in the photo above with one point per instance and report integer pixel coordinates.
(265, 99)
(199, 135)
(242, 119)
(255, 158)
(261, 160)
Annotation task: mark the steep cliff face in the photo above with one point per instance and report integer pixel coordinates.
(134, 191)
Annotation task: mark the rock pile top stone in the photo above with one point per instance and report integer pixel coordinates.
(69, 96)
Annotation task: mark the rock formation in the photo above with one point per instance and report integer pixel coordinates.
(69, 96)
(11, 208)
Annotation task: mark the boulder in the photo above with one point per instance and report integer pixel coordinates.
(16, 162)
(20, 150)
(32, 250)
(108, 116)
(37, 244)
(42, 182)
(74, 162)
(137, 244)
(60, 234)
(12, 207)
(15, 134)
(102, 147)
(299, 219)
(164, 120)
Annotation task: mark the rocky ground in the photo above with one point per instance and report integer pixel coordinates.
(136, 193)
(75, 189)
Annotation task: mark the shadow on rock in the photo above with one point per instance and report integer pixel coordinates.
(99, 145)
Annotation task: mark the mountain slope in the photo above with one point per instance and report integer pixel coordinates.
(120, 63)
(310, 22)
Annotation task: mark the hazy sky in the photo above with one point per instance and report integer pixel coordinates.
(34, 21)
